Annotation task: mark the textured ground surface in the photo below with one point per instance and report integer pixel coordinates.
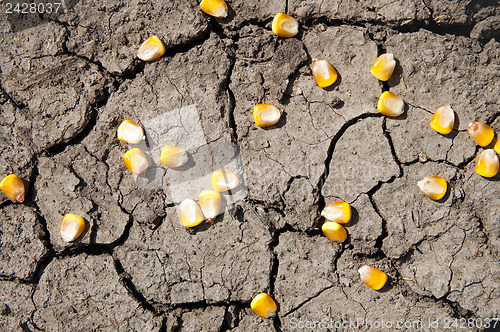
(67, 82)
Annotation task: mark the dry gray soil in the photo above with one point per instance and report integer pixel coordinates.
(66, 82)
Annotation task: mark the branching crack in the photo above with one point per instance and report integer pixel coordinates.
(331, 148)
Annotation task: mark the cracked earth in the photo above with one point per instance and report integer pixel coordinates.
(67, 82)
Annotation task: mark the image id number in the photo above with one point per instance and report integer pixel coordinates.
(462, 323)
(32, 8)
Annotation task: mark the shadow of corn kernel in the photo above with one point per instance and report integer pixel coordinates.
(395, 78)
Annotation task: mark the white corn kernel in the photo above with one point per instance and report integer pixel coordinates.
(284, 25)
(136, 161)
(190, 213)
(266, 114)
(224, 181)
(151, 49)
(210, 203)
(324, 73)
(488, 164)
(130, 132)
(338, 212)
(390, 104)
(72, 226)
(172, 156)
(215, 8)
(383, 67)
(443, 120)
(433, 187)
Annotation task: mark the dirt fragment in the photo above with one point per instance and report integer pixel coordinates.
(363, 152)
(83, 292)
(21, 242)
(310, 257)
(225, 261)
(416, 215)
(15, 305)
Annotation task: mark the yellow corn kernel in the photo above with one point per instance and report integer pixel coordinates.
(338, 212)
(372, 277)
(151, 49)
(334, 231)
(443, 120)
(487, 164)
(136, 161)
(433, 187)
(172, 156)
(266, 114)
(285, 26)
(13, 187)
(216, 8)
(383, 67)
(324, 73)
(130, 132)
(390, 104)
(190, 213)
(72, 226)
(497, 146)
(210, 203)
(263, 305)
(481, 133)
(224, 181)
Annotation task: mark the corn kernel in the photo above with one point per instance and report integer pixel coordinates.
(324, 73)
(263, 305)
(383, 67)
(334, 231)
(443, 120)
(266, 115)
(338, 212)
(72, 226)
(224, 181)
(151, 49)
(216, 8)
(285, 26)
(13, 187)
(136, 161)
(433, 187)
(172, 156)
(190, 213)
(390, 104)
(481, 133)
(130, 132)
(372, 277)
(497, 146)
(487, 164)
(210, 203)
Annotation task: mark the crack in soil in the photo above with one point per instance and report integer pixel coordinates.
(331, 148)
(231, 122)
(308, 300)
(130, 287)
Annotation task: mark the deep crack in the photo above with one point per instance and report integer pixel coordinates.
(331, 148)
